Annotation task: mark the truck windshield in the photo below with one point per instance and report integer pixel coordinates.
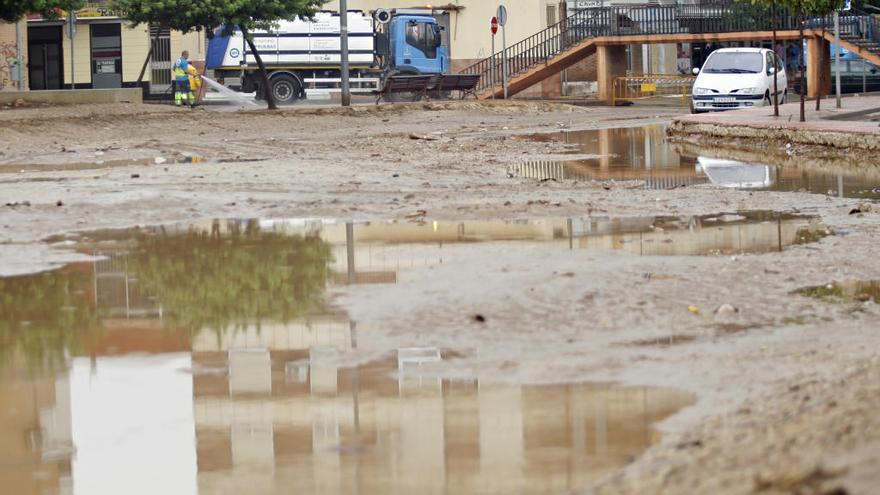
(734, 63)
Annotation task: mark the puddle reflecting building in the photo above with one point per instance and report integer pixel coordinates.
(643, 154)
(241, 390)
(382, 428)
(35, 431)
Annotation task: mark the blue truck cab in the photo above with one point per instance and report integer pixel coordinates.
(417, 45)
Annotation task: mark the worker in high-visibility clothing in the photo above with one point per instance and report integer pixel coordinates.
(182, 87)
(195, 84)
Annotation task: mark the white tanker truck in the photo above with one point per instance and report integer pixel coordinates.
(303, 55)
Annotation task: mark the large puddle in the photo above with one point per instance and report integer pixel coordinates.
(204, 358)
(644, 154)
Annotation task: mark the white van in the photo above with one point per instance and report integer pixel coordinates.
(738, 78)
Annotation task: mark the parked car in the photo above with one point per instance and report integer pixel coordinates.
(738, 78)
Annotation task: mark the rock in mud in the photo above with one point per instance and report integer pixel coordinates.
(726, 311)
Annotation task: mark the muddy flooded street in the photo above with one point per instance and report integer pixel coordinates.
(472, 297)
(212, 353)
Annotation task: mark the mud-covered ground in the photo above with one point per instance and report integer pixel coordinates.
(788, 387)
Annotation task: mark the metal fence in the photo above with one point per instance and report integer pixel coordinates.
(160, 61)
(672, 87)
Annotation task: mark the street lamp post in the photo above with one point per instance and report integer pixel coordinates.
(343, 39)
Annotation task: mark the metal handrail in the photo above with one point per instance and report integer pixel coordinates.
(723, 16)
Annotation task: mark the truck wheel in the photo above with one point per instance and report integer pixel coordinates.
(285, 88)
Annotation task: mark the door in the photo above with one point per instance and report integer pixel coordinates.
(106, 55)
(44, 57)
(160, 63)
(420, 48)
(772, 61)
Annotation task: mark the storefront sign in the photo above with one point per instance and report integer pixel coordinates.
(90, 11)
(98, 10)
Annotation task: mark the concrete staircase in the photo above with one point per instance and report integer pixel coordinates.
(865, 40)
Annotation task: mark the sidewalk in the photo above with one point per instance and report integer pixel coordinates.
(847, 127)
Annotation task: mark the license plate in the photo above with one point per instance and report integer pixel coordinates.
(726, 99)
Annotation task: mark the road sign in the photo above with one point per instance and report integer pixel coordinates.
(494, 26)
(848, 5)
(502, 15)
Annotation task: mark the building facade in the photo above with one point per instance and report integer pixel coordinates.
(105, 51)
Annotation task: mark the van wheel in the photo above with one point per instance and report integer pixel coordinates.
(285, 89)
(784, 95)
(767, 100)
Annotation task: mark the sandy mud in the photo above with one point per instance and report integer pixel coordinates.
(787, 386)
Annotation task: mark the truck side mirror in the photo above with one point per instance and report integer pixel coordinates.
(695, 71)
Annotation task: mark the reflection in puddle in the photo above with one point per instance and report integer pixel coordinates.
(278, 420)
(97, 165)
(644, 154)
(207, 351)
(850, 291)
(208, 354)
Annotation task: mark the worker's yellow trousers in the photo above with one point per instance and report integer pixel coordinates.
(187, 98)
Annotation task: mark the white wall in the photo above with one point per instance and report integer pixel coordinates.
(469, 27)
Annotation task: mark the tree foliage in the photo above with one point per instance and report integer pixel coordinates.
(208, 15)
(811, 8)
(13, 10)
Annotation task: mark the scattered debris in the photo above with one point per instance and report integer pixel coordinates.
(726, 310)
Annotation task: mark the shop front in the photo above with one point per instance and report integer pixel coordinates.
(101, 51)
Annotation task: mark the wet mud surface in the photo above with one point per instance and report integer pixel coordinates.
(244, 377)
(433, 280)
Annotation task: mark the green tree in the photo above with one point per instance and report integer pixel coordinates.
(13, 10)
(209, 15)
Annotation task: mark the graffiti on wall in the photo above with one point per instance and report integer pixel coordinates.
(7, 62)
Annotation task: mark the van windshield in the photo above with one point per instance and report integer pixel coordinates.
(734, 63)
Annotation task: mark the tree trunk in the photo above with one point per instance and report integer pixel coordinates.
(147, 60)
(267, 90)
(776, 69)
(801, 65)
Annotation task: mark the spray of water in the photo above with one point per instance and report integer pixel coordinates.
(227, 92)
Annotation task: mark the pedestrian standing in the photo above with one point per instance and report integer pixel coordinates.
(182, 89)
